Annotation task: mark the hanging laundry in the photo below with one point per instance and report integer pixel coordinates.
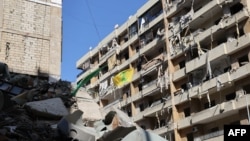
(143, 21)
(103, 88)
(152, 62)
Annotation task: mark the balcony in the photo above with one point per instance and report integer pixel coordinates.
(124, 64)
(108, 107)
(205, 11)
(177, 7)
(209, 85)
(243, 42)
(241, 72)
(150, 88)
(86, 57)
(83, 75)
(109, 73)
(213, 54)
(107, 55)
(163, 129)
(134, 57)
(145, 7)
(219, 111)
(225, 24)
(177, 75)
(152, 23)
(151, 68)
(214, 136)
(201, 90)
(183, 123)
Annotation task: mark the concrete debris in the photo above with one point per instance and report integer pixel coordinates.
(34, 109)
(49, 108)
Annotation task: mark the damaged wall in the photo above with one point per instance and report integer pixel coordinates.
(31, 37)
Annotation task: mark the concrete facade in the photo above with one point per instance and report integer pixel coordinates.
(191, 62)
(31, 36)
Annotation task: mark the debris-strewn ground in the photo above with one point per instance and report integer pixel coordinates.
(31, 108)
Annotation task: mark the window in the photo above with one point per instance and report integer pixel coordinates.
(230, 96)
(243, 60)
(206, 105)
(190, 137)
(182, 64)
(187, 112)
(235, 123)
(141, 106)
(214, 129)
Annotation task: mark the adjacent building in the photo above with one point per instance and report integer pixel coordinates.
(191, 67)
(31, 36)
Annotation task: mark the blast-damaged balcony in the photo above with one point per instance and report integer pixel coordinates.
(199, 16)
(164, 129)
(218, 30)
(216, 112)
(214, 136)
(152, 23)
(83, 75)
(200, 90)
(177, 75)
(222, 50)
(236, 45)
(108, 54)
(108, 107)
(211, 55)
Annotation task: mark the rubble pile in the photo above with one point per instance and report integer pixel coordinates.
(30, 108)
(33, 109)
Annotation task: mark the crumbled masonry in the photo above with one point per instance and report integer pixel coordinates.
(34, 109)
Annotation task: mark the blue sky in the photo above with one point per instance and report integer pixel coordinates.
(86, 23)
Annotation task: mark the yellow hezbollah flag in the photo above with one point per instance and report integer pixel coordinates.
(123, 77)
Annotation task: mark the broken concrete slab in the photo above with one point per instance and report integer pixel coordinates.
(50, 108)
(142, 135)
(73, 127)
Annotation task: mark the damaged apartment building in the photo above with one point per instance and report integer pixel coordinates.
(31, 36)
(191, 67)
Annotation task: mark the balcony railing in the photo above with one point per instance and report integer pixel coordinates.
(209, 135)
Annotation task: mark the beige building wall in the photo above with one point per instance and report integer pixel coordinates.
(31, 35)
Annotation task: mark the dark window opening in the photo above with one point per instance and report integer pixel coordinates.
(187, 112)
(194, 53)
(236, 8)
(190, 137)
(182, 64)
(128, 94)
(129, 113)
(217, 21)
(161, 50)
(227, 69)
(141, 107)
(243, 60)
(215, 129)
(137, 48)
(230, 96)
(206, 105)
(247, 88)
(184, 86)
(162, 122)
(241, 32)
(126, 56)
(223, 40)
(140, 87)
(235, 123)
(143, 127)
